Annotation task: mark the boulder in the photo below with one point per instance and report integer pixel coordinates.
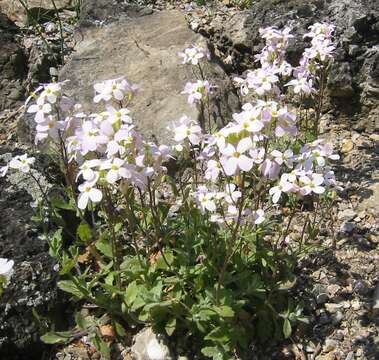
(144, 49)
(354, 78)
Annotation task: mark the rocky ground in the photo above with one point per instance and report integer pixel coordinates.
(339, 284)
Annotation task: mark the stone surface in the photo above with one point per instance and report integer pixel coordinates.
(354, 78)
(149, 346)
(16, 12)
(32, 290)
(144, 49)
(13, 65)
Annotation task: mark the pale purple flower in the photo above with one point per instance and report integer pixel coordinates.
(192, 55)
(213, 170)
(197, 91)
(258, 216)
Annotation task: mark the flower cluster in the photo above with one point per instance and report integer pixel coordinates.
(249, 144)
(321, 51)
(264, 80)
(106, 146)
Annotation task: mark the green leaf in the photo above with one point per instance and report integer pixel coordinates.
(70, 287)
(84, 232)
(119, 329)
(170, 326)
(224, 311)
(62, 337)
(82, 322)
(163, 262)
(105, 248)
(55, 244)
(131, 293)
(218, 335)
(212, 352)
(61, 204)
(287, 329)
(102, 347)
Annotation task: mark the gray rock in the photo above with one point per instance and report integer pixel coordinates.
(330, 345)
(375, 301)
(32, 289)
(347, 227)
(13, 65)
(149, 346)
(354, 80)
(144, 49)
(337, 317)
(347, 215)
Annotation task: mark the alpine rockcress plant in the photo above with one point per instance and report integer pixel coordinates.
(208, 251)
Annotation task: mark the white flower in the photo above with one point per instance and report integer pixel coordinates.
(88, 192)
(196, 91)
(86, 169)
(312, 184)
(22, 163)
(206, 201)
(234, 157)
(6, 269)
(187, 129)
(276, 191)
(51, 92)
(192, 55)
(40, 109)
(120, 115)
(116, 170)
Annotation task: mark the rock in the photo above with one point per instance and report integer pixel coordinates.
(103, 11)
(347, 146)
(332, 308)
(353, 84)
(32, 289)
(322, 298)
(149, 346)
(347, 215)
(13, 66)
(375, 301)
(330, 345)
(361, 287)
(144, 49)
(347, 227)
(337, 318)
(16, 12)
(320, 293)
